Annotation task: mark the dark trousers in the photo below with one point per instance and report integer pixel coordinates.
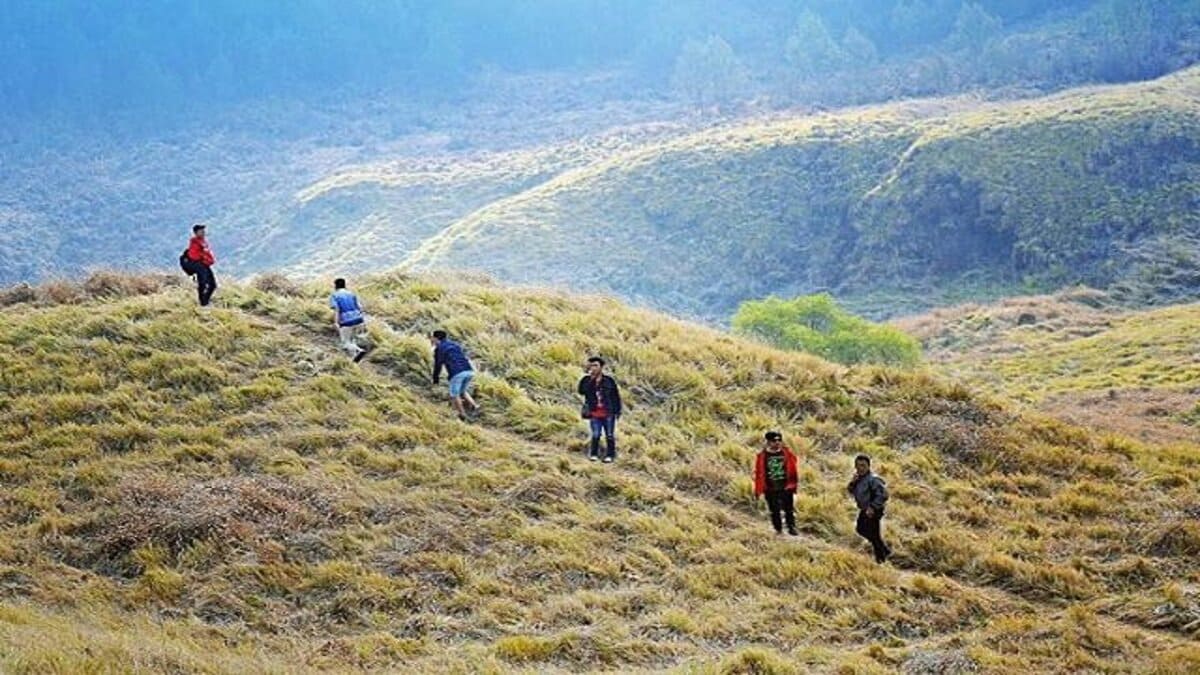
(782, 504)
(609, 426)
(868, 528)
(206, 282)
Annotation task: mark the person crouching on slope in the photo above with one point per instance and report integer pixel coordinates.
(200, 260)
(601, 407)
(348, 319)
(871, 495)
(449, 354)
(776, 476)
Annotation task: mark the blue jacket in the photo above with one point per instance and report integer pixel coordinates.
(346, 304)
(449, 354)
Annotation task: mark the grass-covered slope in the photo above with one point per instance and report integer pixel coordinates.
(1078, 355)
(224, 492)
(368, 216)
(924, 198)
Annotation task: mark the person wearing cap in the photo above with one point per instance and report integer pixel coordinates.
(348, 319)
(200, 261)
(601, 407)
(870, 495)
(776, 477)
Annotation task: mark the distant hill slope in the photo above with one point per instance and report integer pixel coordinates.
(225, 492)
(898, 206)
(369, 216)
(343, 182)
(1078, 356)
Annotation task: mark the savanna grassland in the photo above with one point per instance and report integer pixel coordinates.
(225, 492)
(1080, 356)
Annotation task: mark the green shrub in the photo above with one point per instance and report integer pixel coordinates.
(817, 325)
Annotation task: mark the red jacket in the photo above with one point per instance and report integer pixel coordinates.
(789, 467)
(199, 251)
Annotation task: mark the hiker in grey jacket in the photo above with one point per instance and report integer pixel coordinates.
(871, 495)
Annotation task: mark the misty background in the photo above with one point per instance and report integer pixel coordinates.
(82, 61)
(296, 129)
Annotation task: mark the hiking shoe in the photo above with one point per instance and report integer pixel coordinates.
(359, 356)
(792, 531)
(608, 460)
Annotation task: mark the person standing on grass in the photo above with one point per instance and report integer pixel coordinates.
(776, 476)
(199, 260)
(348, 319)
(449, 354)
(871, 495)
(601, 407)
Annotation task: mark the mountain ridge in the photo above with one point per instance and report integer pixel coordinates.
(883, 230)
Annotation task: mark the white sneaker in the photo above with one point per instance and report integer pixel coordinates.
(608, 460)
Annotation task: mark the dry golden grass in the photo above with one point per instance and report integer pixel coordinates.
(229, 485)
(1079, 357)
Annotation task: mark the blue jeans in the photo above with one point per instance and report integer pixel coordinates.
(609, 426)
(458, 383)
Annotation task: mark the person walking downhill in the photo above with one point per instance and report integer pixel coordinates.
(776, 476)
(449, 354)
(199, 260)
(601, 407)
(871, 495)
(348, 319)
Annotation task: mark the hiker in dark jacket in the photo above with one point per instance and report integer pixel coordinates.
(871, 495)
(601, 407)
(199, 260)
(449, 354)
(776, 476)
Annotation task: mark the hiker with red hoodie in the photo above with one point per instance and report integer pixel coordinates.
(198, 260)
(776, 476)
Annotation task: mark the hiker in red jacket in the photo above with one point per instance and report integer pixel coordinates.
(199, 261)
(776, 476)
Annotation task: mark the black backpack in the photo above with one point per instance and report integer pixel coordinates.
(186, 263)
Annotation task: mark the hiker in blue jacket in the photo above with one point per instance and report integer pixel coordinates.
(871, 495)
(449, 354)
(348, 319)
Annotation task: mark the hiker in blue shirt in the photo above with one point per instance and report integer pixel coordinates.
(449, 354)
(349, 319)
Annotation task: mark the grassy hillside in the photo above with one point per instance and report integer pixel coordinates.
(894, 206)
(1079, 356)
(317, 184)
(369, 216)
(224, 492)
